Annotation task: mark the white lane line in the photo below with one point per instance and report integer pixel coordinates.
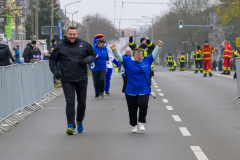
(223, 76)
(154, 83)
(169, 108)
(156, 86)
(185, 131)
(176, 118)
(161, 94)
(159, 90)
(165, 100)
(198, 153)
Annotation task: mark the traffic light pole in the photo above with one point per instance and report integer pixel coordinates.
(207, 28)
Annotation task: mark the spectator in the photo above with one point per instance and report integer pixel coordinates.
(16, 54)
(214, 65)
(220, 64)
(46, 56)
(36, 53)
(5, 54)
(54, 43)
(28, 52)
(21, 61)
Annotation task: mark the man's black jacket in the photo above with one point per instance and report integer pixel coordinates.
(147, 48)
(28, 53)
(70, 57)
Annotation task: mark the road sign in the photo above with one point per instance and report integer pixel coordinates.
(46, 30)
(237, 41)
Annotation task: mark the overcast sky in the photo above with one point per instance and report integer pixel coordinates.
(106, 8)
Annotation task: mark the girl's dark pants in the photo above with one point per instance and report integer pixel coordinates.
(135, 102)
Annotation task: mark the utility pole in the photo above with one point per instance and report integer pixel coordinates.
(36, 19)
(87, 34)
(16, 27)
(51, 37)
(32, 20)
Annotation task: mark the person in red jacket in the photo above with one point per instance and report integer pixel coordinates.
(227, 55)
(206, 51)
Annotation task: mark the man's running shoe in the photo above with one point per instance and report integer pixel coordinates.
(79, 127)
(153, 94)
(210, 74)
(70, 130)
(134, 129)
(101, 95)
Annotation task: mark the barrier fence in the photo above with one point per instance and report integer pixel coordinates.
(24, 86)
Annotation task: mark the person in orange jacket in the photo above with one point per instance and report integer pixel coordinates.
(206, 51)
(227, 55)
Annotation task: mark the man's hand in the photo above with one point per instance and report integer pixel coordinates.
(113, 47)
(51, 50)
(57, 75)
(97, 56)
(147, 38)
(107, 62)
(83, 62)
(131, 36)
(160, 43)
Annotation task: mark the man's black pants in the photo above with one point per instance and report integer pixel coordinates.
(182, 66)
(200, 64)
(69, 89)
(135, 102)
(99, 81)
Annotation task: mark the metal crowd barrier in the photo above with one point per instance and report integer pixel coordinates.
(24, 86)
(237, 60)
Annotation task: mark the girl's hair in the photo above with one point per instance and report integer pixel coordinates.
(137, 50)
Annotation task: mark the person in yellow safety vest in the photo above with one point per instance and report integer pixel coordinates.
(182, 60)
(175, 65)
(198, 60)
(170, 62)
(163, 64)
(236, 54)
(145, 44)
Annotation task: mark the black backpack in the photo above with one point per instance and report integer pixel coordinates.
(3, 54)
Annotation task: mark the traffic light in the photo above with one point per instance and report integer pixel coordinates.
(122, 33)
(180, 23)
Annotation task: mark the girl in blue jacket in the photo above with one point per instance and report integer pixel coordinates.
(99, 67)
(138, 86)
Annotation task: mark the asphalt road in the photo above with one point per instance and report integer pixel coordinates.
(192, 118)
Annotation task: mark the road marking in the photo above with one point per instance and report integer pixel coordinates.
(156, 86)
(198, 153)
(176, 118)
(165, 100)
(169, 108)
(159, 90)
(223, 76)
(154, 83)
(185, 131)
(161, 94)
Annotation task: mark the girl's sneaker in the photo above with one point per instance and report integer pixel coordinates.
(141, 126)
(134, 129)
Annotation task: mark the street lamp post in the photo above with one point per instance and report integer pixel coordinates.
(152, 24)
(145, 26)
(72, 15)
(66, 13)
